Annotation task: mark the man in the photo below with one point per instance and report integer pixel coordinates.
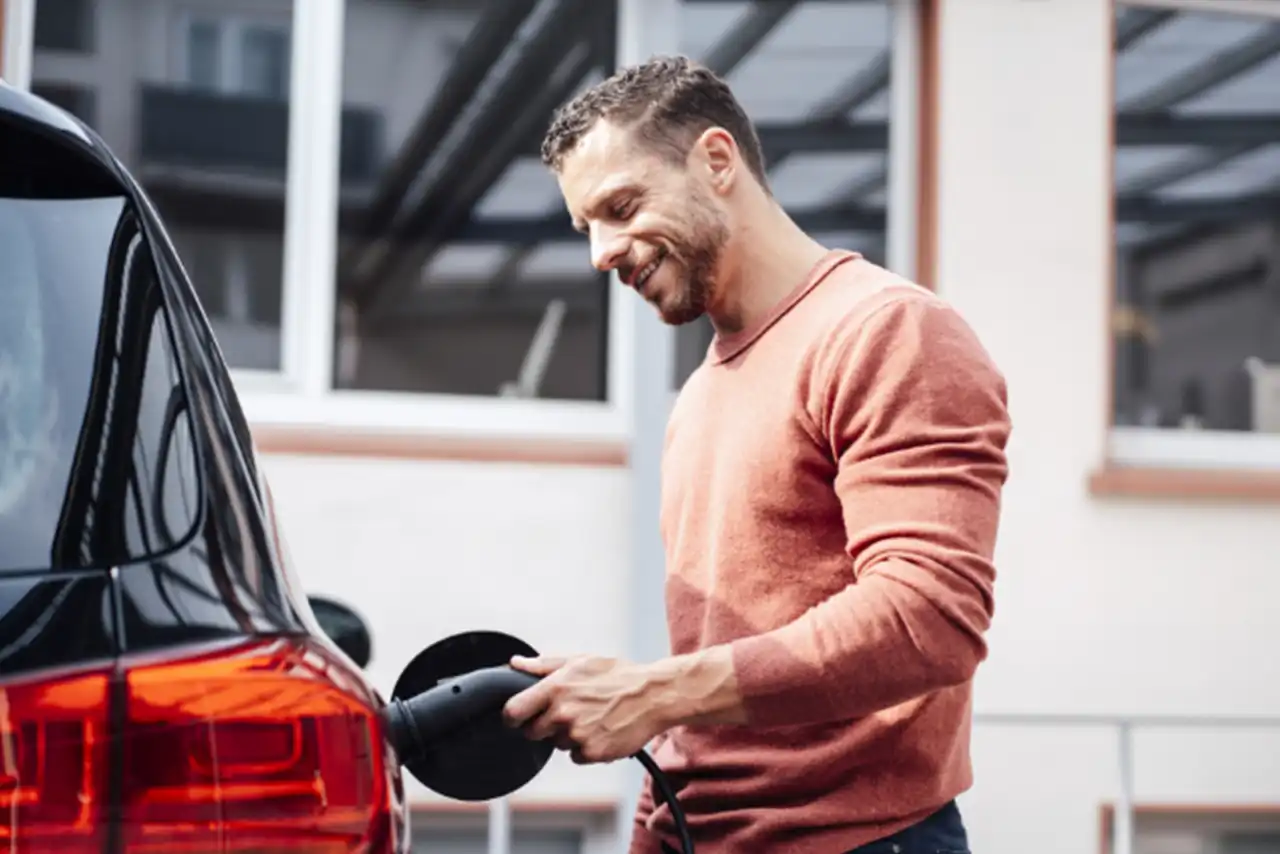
(831, 489)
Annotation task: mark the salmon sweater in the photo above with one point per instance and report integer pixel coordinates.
(831, 488)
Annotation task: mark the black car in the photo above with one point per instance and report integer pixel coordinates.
(165, 684)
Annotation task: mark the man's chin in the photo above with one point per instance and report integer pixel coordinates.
(678, 315)
(674, 311)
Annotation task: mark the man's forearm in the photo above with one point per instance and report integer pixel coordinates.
(698, 689)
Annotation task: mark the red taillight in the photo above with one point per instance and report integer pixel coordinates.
(265, 747)
(53, 743)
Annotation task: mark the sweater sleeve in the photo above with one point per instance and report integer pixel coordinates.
(914, 413)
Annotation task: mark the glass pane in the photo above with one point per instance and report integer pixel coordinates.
(210, 151)
(265, 63)
(814, 77)
(458, 271)
(1197, 210)
(96, 462)
(203, 66)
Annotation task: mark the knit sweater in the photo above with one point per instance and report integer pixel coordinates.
(831, 488)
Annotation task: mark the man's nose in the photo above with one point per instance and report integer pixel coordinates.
(608, 248)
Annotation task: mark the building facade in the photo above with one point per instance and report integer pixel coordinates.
(461, 420)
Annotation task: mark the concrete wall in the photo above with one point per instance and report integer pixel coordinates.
(1102, 606)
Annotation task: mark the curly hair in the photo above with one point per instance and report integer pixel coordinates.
(668, 101)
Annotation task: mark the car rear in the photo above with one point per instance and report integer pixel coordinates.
(163, 684)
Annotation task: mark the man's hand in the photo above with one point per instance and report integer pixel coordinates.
(604, 709)
(598, 709)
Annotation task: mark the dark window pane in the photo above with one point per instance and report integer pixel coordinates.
(97, 466)
(801, 70)
(197, 108)
(64, 25)
(458, 271)
(1197, 204)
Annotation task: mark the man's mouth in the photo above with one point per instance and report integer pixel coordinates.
(646, 271)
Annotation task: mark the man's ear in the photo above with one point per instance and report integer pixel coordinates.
(719, 157)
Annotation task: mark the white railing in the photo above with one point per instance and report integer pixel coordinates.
(1124, 725)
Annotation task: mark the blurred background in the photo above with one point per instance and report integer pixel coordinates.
(461, 421)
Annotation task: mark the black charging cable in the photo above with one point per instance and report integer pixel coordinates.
(669, 797)
(413, 724)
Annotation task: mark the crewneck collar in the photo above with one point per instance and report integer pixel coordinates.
(726, 347)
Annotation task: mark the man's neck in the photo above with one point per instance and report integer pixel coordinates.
(773, 257)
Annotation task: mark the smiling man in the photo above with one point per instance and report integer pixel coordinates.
(831, 492)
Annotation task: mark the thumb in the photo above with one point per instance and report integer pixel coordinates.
(542, 665)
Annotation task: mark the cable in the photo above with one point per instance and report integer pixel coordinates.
(669, 797)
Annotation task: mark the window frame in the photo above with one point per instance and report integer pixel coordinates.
(1206, 463)
(301, 396)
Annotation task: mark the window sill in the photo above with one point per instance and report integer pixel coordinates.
(1189, 464)
(273, 439)
(392, 425)
(1126, 481)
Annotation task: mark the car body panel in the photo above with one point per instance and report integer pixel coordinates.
(159, 534)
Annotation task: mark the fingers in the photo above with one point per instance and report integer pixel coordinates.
(531, 702)
(543, 665)
(523, 707)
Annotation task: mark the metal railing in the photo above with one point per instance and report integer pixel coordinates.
(1122, 834)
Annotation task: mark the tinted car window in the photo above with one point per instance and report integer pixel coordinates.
(96, 458)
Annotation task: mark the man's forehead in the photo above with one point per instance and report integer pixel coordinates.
(604, 161)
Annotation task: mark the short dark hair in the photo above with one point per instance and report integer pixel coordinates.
(669, 101)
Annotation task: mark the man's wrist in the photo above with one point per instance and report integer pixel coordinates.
(699, 688)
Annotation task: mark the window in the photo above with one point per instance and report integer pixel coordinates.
(530, 832)
(237, 57)
(96, 462)
(65, 25)
(1196, 323)
(381, 248)
(816, 79)
(457, 270)
(196, 105)
(428, 840)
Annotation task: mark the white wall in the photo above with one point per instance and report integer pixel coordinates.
(1102, 606)
(427, 549)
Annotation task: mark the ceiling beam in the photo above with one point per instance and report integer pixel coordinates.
(850, 217)
(456, 171)
(1136, 24)
(493, 32)
(560, 55)
(1213, 71)
(1131, 130)
(1163, 211)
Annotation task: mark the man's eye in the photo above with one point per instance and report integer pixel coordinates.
(624, 211)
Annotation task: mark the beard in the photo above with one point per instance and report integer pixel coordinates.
(696, 256)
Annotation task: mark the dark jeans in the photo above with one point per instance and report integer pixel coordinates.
(941, 833)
